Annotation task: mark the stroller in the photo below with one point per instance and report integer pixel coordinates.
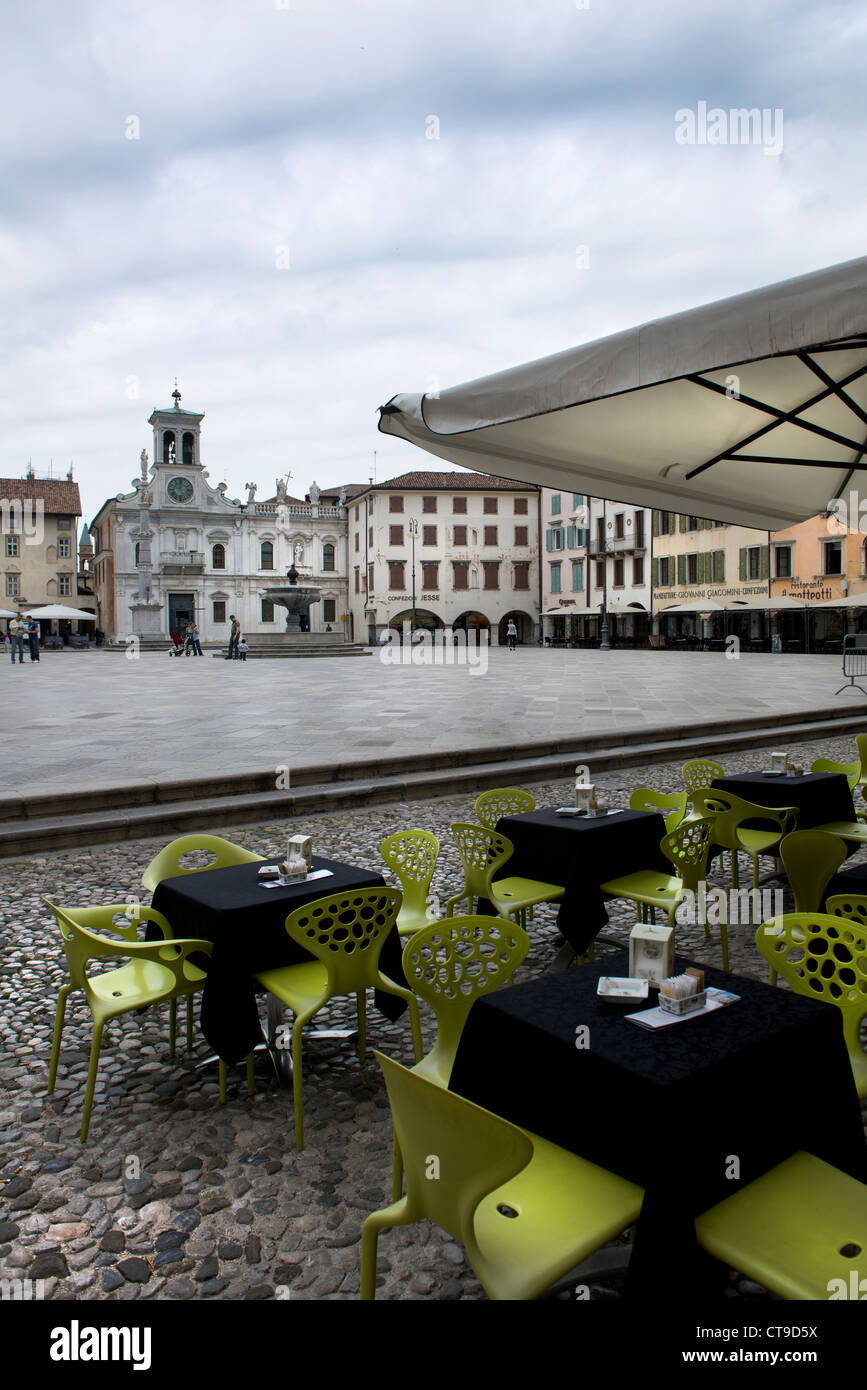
(177, 647)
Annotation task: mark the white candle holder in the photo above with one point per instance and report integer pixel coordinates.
(651, 953)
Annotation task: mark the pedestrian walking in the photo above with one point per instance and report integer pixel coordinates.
(511, 635)
(194, 639)
(16, 637)
(243, 649)
(33, 637)
(234, 638)
(188, 639)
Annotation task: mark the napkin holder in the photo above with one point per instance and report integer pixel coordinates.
(300, 847)
(651, 952)
(585, 796)
(779, 762)
(292, 870)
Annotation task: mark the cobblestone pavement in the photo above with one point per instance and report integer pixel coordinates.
(93, 718)
(176, 1197)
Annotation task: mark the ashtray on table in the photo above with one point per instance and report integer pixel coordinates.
(621, 989)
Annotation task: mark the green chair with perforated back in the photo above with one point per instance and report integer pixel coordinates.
(449, 964)
(672, 804)
(483, 852)
(851, 905)
(525, 1211)
(851, 771)
(810, 859)
(412, 857)
(167, 863)
(157, 972)
(735, 828)
(502, 801)
(799, 1230)
(345, 933)
(700, 773)
(687, 848)
(823, 957)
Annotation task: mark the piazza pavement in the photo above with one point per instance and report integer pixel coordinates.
(174, 1196)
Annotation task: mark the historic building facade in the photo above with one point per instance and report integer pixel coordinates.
(596, 561)
(444, 550)
(182, 547)
(40, 557)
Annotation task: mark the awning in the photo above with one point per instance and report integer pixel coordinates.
(752, 410)
(699, 605)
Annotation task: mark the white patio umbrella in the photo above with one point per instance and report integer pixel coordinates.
(58, 610)
(847, 601)
(751, 410)
(704, 605)
(7, 613)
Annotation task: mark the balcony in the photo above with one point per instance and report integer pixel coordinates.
(182, 561)
(618, 545)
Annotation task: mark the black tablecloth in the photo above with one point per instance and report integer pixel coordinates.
(246, 921)
(755, 1081)
(578, 853)
(819, 796)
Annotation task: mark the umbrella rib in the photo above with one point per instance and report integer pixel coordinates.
(832, 384)
(781, 418)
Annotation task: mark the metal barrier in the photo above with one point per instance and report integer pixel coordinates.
(854, 662)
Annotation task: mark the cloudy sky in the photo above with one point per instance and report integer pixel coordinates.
(303, 207)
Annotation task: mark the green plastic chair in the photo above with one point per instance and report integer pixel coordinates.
(157, 972)
(482, 853)
(525, 1211)
(345, 933)
(851, 771)
(810, 859)
(412, 856)
(823, 957)
(731, 832)
(449, 964)
(167, 865)
(502, 801)
(794, 1230)
(674, 803)
(687, 848)
(851, 905)
(700, 774)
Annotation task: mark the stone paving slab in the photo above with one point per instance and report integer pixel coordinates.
(89, 719)
(177, 1197)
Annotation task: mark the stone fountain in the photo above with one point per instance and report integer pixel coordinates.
(297, 594)
(293, 597)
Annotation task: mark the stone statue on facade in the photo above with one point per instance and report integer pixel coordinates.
(251, 493)
(282, 492)
(314, 494)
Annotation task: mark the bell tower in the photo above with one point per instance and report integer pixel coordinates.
(177, 436)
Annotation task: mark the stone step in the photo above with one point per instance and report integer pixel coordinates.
(575, 746)
(216, 809)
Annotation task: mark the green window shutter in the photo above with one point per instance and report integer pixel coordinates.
(703, 575)
(570, 537)
(547, 540)
(742, 570)
(719, 566)
(681, 523)
(681, 569)
(654, 569)
(764, 563)
(656, 523)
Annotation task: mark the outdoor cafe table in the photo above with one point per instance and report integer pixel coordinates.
(245, 921)
(578, 853)
(819, 796)
(691, 1112)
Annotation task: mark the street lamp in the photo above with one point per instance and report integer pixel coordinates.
(604, 645)
(413, 531)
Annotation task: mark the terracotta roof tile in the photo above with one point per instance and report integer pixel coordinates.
(59, 498)
(455, 482)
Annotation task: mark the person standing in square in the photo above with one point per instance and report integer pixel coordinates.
(234, 637)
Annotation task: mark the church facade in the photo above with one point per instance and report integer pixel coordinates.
(176, 549)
